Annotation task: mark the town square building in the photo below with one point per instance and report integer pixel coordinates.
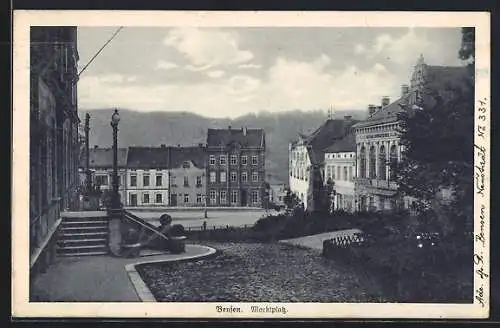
(236, 167)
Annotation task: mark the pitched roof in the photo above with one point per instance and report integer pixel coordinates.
(345, 144)
(148, 157)
(254, 138)
(103, 157)
(178, 155)
(437, 78)
(322, 137)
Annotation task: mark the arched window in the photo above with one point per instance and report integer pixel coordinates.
(373, 173)
(362, 162)
(393, 158)
(382, 163)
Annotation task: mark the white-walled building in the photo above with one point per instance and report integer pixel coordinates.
(340, 167)
(310, 150)
(148, 177)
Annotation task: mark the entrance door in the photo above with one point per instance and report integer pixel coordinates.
(244, 197)
(173, 200)
(133, 199)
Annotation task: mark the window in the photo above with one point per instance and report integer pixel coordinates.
(145, 180)
(223, 177)
(373, 168)
(333, 172)
(186, 181)
(159, 198)
(158, 180)
(328, 172)
(212, 197)
(186, 165)
(212, 160)
(234, 196)
(255, 176)
(350, 174)
(234, 159)
(255, 196)
(145, 198)
(186, 198)
(393, 158)
(223, 159)
(382, 163)
(223, 197)
(198, 198)
(345, 173)
(172, 181)
(244, 160)
(101, 180)
(213, 177)
(255, 160)
(234, 177)
(362, 162)
(244, 176)
(133, 180)
(198, 181)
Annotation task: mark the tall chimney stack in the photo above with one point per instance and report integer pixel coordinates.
(405, 89)
(371, 109)
(385, 101)
(245, 131)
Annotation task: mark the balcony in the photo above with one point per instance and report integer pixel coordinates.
(376, 183)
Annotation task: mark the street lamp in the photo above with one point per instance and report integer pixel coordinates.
(88, 175)
(115, 197)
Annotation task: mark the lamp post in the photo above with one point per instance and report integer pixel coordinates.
(115, 197)
(88, 175)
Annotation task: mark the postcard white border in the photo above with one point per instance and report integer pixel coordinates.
(21, 307)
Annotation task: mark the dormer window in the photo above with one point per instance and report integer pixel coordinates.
(186, 165)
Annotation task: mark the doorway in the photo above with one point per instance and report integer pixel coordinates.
(133, 199)
(244, 197)
(173, 200)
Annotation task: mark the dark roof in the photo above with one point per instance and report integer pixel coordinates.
(345, 144)
(178, 155)
(437, 78)
(254, 138)
(103, 157)
(148, 157)
(323, 137)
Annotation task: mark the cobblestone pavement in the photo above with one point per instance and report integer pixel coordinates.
(259, 273)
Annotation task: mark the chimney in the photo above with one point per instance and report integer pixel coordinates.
(347, 117)
(162, 145)
(96, 146)
(371, 109)
(244, 131)
(229, 127)
(200, 145)
(405, 89)
(385, 101)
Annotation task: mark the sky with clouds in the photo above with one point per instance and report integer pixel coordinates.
(228, 72)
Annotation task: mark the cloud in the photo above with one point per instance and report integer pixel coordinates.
(197, 68)
(249, 66)
(359, 49)
(208, 47)
(117, 78)
(166, 65)
(215, 74)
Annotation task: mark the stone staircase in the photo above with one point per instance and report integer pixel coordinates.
(83, 233)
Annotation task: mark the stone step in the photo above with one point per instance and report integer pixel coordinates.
(84, 218)
(92, 223)
(82, 249)
(83, 230)
(83, 235)
(82, 242)
(94, 253)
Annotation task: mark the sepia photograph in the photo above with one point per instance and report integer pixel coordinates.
(314, 166)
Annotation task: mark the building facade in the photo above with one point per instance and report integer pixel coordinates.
(340, 168)
(147, 177)
(236, 167)
(307, 151)
(277, 190)
(54, 142)
(101, 168)
(188, 176)
(378, 138)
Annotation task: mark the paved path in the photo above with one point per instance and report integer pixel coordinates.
(316, 241)
(96, 278)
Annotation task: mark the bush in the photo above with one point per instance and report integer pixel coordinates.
(177, 230)
(165, 219)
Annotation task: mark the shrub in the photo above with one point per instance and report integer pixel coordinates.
(177, 230)
(165, 219)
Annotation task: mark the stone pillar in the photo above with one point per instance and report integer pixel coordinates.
(115, 235)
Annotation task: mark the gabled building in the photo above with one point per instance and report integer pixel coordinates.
(188, 176)
(340, 168)
(378, 138)
(236, 167)
(309, 151)
(148, 176)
